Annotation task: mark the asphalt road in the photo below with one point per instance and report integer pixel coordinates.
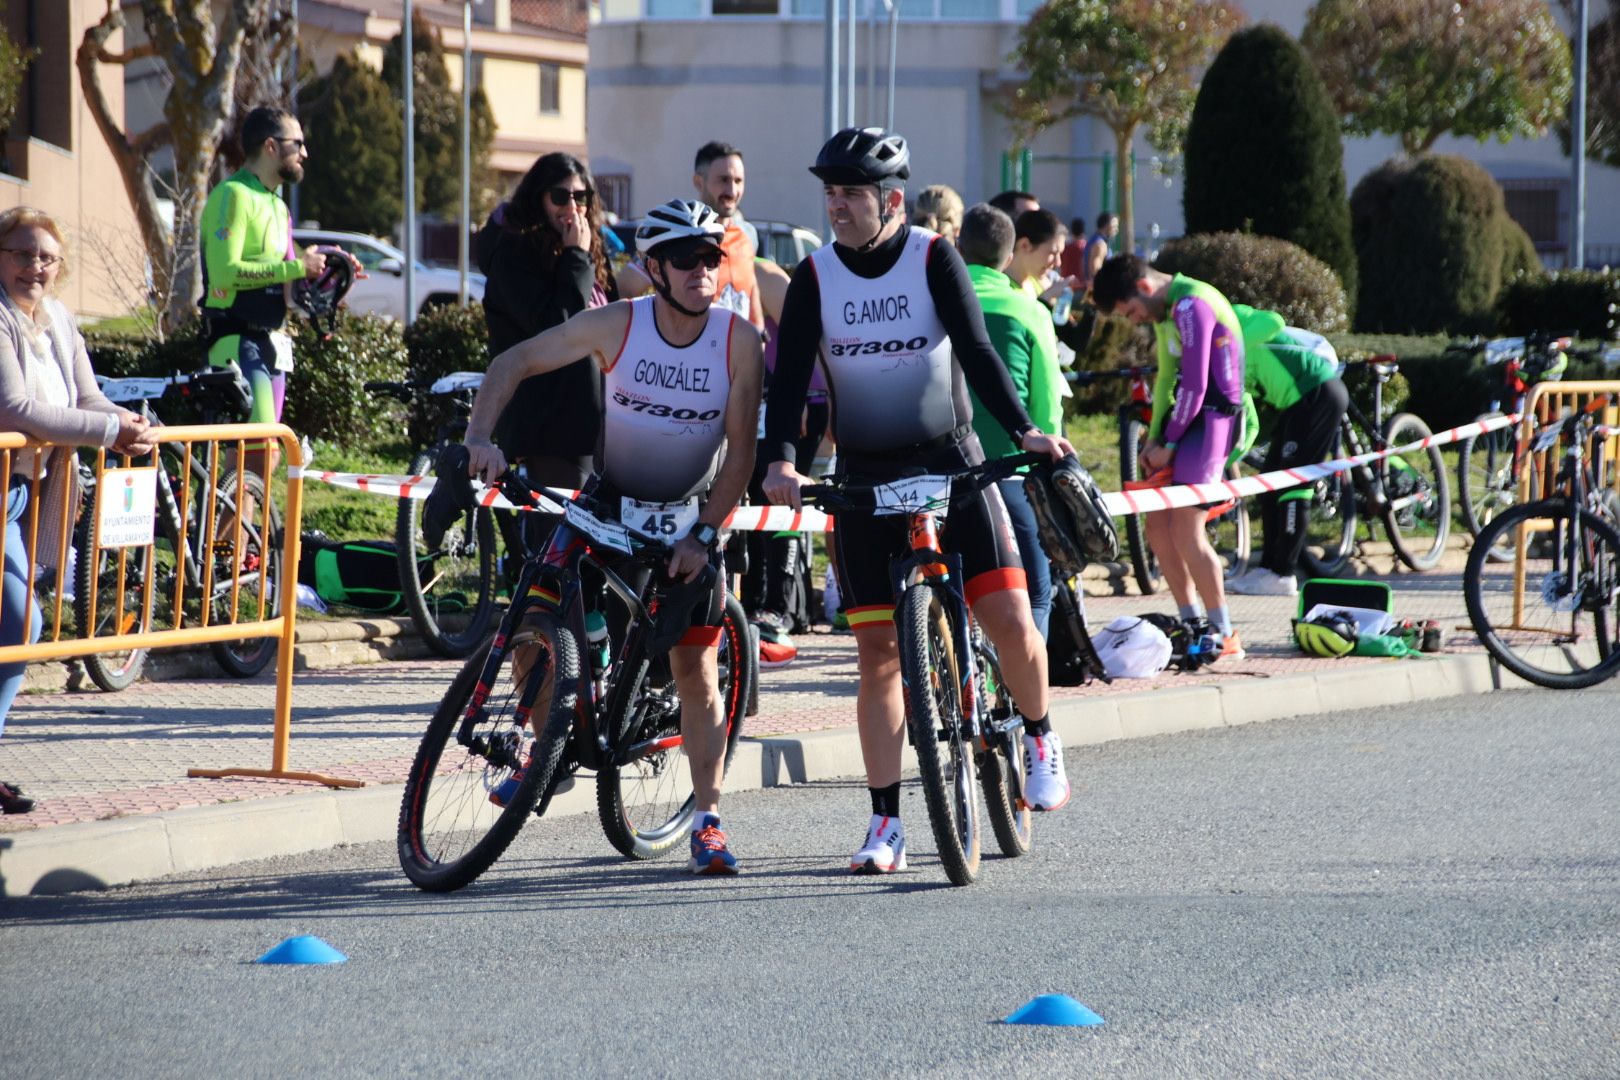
(1362, 894)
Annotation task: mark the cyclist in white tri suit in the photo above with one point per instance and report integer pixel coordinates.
(680, 414)
(889, 312)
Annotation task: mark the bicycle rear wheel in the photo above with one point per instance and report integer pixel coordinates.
(1145, 568)
(1419, 516)
(1559, 630)
(254, 558)
(644, 798)
(479, 739)
(1001, 762)
(449, 590)
(1330, 526)
(96, 574)
(930, 672)
(1486, 482)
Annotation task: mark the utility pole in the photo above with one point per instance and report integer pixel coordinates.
(1577, 146)
(465, 230)
(409, 69)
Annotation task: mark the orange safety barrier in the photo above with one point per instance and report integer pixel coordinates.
(193, 572)
(1547, 403)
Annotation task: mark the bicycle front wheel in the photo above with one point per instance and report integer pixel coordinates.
(1145, 568)
(1553, 625)
(945, 751)
(247, 568)
(644, 797)
(1419, 516)
(481, 747)
(1001, 762)
(450, 589)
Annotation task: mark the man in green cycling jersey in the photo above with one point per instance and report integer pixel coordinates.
(1296, 372)
(249, 261)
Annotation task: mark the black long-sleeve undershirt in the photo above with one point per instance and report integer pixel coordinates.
(800, 334)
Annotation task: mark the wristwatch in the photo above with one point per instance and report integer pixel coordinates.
(704, 533)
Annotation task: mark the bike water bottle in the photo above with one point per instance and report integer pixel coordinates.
(596, 633)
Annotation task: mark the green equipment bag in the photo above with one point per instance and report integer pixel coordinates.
(360, 574)
(1357, 601)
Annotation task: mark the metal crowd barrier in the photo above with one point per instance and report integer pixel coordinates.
(137, 553)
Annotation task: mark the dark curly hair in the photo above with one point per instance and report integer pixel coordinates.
(526, 211)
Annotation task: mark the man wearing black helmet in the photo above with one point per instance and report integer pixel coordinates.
(680, 413)
(891, 315)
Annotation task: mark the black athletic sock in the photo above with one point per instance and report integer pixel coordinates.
(1043, 726)
(886, 800)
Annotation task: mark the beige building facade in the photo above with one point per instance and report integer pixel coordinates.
(57, 161)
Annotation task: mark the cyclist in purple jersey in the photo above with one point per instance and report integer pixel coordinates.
(1197, 417)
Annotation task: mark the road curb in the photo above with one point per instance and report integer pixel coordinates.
(98, 854)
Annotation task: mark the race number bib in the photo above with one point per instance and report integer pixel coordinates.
(913, 495)
(608, 534)
(664, 522)
(282, 344)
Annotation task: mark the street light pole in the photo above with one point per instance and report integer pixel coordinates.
(409, 69)
(466, 146)
(1577, 146)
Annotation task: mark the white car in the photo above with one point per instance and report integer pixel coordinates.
(382, 291)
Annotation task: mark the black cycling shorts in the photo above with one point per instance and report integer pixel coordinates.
(977, 528)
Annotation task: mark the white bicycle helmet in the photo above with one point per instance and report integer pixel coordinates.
(679, 219)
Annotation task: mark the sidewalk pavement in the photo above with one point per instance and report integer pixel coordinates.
(114, 803)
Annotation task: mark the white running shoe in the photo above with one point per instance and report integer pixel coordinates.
(1046, 785)
(885, 849)
(1262, 582)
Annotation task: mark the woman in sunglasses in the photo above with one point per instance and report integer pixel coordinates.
(543, 255)
(47, 391)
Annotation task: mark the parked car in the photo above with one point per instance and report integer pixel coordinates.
(382, 291)
(783, 243)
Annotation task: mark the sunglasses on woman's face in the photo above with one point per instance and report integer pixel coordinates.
(561, 196)
(708, 258)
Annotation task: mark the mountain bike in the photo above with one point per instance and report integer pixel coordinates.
(200, 544)
(449, 586)
(960, 718)
(1408, 492)
(1227, 523)
(1548, 615)
(551, 694)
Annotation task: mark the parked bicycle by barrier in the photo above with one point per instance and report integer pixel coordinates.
(448, 581)
(1226, 522)
(200, 543)
(1491, 465)
(578, 703)
(1548, 614)
(955, 697)
(1408, 493)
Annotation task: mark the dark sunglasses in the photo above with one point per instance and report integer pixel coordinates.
(708, 258)
(299, 143)
(561, 196)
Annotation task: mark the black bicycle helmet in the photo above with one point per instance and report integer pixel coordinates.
(319, 297)
(863, 156)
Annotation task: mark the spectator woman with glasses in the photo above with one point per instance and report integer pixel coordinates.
(48, 392)
(543, 255)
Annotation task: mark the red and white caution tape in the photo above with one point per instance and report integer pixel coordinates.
(787, 519)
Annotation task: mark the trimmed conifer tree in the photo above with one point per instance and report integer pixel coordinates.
(1264, 154)
(354, 125)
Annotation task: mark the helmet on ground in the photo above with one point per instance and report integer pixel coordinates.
(1330, 635)
(1075, 528)
(318, 298)
(679, 219)
(863, 156)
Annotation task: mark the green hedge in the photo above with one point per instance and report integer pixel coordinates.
(1263, 272)
(325, 393)
(446, 338)
(1583, 302)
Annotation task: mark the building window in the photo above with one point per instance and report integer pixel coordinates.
(477, 73)
(550, 89)
(745, 7)
(1535, 205)
(613, 189)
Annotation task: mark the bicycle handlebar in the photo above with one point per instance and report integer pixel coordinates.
(1086, 378)
(847, 494)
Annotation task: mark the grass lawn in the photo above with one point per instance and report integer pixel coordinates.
(354, 515)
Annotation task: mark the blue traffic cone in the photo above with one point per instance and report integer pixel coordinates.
(306, 949)
(1055, 1010)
